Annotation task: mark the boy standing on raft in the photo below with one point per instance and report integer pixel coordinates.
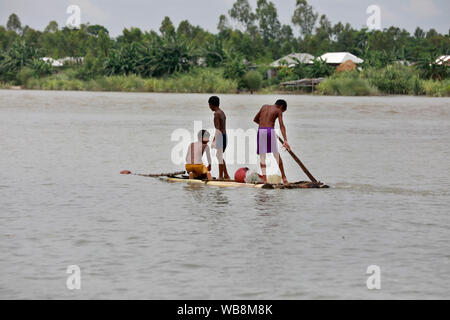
(194, 162)
(220, 138)
(267, 137)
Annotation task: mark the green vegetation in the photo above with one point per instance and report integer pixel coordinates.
(200, 81)
(347, 84)
(187, 58)
(392, 79)
(253, 80)
(435, 88)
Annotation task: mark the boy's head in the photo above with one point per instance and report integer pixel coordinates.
(214, 102)
(203, 136)
(282, 104)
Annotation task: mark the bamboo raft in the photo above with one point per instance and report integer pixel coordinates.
(234, 184)
(180, 177)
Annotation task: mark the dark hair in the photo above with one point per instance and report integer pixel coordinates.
(282, 104)
(201, 134)
(214, 101)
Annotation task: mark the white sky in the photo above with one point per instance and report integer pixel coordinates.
(148, 14)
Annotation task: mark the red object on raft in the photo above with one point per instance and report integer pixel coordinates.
(241, 174)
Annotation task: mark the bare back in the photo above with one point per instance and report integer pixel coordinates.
(268, 115)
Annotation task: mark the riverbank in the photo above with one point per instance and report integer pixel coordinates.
(432, 90)
(392, 80)
(205, 81)
(370, 82)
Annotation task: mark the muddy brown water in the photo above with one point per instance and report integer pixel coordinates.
(63, 201)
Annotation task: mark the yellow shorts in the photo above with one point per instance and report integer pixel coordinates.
(197, 169)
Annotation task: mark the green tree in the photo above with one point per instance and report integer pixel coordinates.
(167, 29)
(214, 53)
(92, 67)
(185, 29)
(324, 27)
(287, 40)
(286, 33)
(7, 38)
(234, 66)
(130, 36)
(124, 60)
(72, 42)
(96, 29)
(40, 68)
(323, 35)
(304, 17)
(14, 23)
(253, 80)
(51, 27)
(242, 13)
(345, 37)
(99, 46)
(267, 16)
(167, 57)
(223, 24)
(337, 29)
(319, 68)
(432, 33)
(429, 69)
(31, 36)
(19, 55)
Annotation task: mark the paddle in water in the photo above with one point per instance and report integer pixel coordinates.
(306, 171)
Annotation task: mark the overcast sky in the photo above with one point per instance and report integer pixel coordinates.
(148, 14)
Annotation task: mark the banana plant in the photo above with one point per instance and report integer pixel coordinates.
(19, 55)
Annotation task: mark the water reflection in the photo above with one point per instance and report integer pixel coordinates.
(267, 202)
(213, 196)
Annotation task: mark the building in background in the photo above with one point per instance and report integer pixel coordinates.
(336, 58)
(290, 61)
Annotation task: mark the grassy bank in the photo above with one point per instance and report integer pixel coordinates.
(393, 79)
(199, 81)
(347, 84)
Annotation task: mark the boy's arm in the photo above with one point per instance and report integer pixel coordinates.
(208, 156)
(283, 131)
(217, 126)
(257, 117)
(190, 155)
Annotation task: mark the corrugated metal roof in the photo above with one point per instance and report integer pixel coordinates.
(340, 57)
(443, 60)
(290, 61)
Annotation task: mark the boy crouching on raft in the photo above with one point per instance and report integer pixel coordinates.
(194, 162)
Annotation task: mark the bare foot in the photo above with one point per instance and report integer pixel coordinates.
(191, 175)
(264, 179)
(285, 181)
(227, 178)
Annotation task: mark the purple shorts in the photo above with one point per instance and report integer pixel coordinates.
(267, 141)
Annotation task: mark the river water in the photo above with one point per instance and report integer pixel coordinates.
(63, 201)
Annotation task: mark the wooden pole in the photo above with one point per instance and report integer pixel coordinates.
(154, 175)
(306, 171)
(162, 174)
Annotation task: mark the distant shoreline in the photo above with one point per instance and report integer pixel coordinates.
(391, 80)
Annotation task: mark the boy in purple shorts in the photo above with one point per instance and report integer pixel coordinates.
(267, 138)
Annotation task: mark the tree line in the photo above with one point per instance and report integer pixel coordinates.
(246, 36)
